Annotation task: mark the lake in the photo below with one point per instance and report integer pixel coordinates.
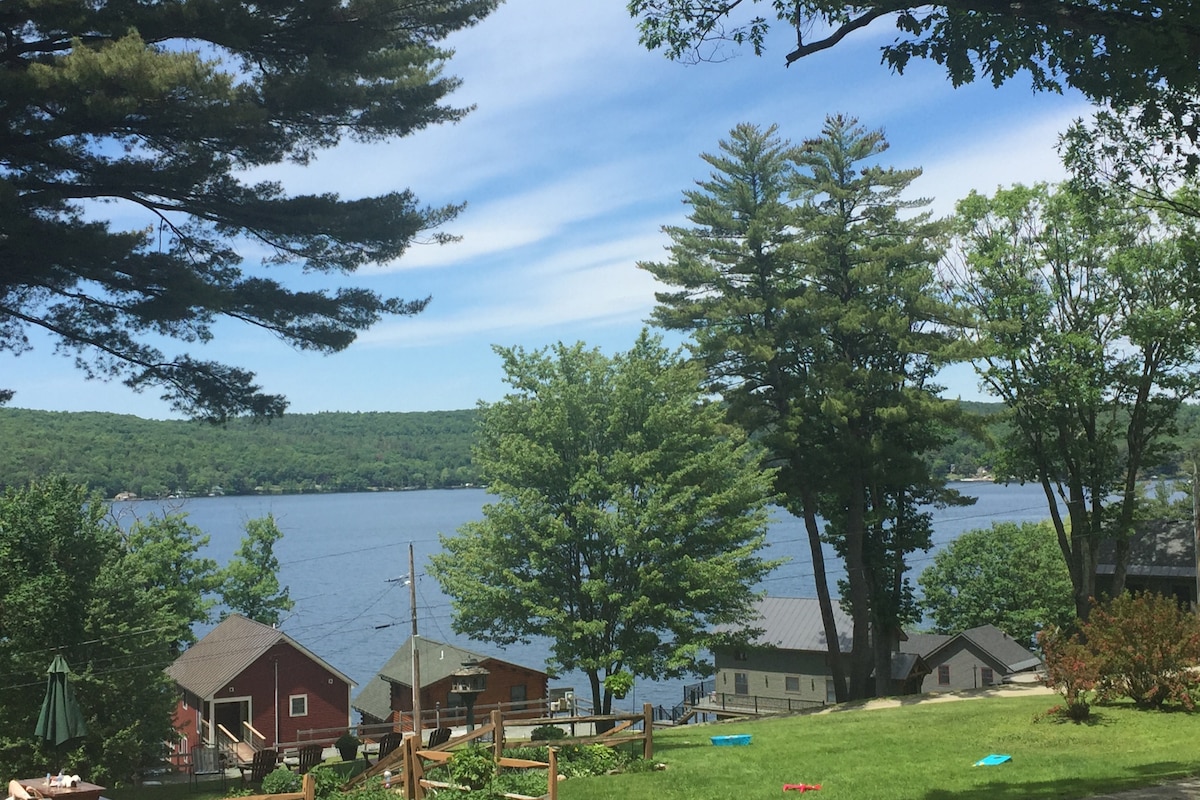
(344, 558)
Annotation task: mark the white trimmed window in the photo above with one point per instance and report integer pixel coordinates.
(298, 704)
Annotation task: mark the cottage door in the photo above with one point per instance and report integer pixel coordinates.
(230, 714)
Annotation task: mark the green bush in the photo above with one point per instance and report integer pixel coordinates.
(374, 791)
(327, 781)
(529, 753)
(577, 761)
(281, 781)
(544, 733)
(472, 767)
(530, 782)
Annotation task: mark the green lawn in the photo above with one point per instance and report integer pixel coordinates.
(919, 751)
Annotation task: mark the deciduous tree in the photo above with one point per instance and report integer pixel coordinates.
(133, 144)
(628, 515)
(114, 607)
(1011, 576)
(250, 583)
(1127, 53)
(1086, 319)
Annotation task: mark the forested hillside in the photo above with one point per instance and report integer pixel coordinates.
(330, 452)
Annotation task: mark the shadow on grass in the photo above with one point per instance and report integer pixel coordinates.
(1143, 777)
(1095, 719)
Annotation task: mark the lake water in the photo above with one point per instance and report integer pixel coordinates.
(341, 556)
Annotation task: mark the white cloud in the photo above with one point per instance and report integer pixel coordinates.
(1022, 153)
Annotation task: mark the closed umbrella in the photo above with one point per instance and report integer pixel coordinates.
(61, 718)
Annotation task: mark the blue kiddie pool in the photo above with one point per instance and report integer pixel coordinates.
(735, 740)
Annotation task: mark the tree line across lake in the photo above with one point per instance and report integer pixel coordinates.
(327, 452)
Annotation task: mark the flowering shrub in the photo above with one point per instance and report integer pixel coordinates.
(1071, 669)
(1147, 647)
(1141, 646)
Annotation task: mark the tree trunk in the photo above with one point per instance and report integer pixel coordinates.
(833, 642)
(861, 659)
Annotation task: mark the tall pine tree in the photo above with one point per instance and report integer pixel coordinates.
(129, 132)
(807, 282)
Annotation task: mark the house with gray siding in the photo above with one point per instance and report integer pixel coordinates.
(973, 659)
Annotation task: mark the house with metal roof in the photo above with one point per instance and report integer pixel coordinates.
(387, 698)
(246, 683)
(785, 666)
(973, 659)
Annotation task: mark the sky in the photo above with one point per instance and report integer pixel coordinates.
(575, 156)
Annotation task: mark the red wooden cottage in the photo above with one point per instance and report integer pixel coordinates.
(247, 678)
(387, 698)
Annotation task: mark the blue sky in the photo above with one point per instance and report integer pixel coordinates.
(575, 156)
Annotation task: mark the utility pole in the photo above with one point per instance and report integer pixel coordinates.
(1196, 524)
(416, 656)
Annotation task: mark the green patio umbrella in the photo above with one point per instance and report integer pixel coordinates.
(61, 719)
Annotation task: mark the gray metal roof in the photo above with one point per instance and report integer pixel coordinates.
(794, 623)
(227, 650)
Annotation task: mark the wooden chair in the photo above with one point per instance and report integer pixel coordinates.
(309, 756)
(263, 764)
(438, 736)
(206, 760)
(389, 742)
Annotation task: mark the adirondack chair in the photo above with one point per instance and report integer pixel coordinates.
(309, 756)
(206, 760)
(262, 765)
(438, 736)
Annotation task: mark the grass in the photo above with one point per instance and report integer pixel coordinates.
(917, 752)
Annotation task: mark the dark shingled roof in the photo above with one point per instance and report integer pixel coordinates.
(1159, 548)
(988, 639)
(227, 650)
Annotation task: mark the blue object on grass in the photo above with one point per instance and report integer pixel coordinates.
(992, 760)
(731, 741)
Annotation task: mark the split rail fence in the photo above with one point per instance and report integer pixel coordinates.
(407, 763)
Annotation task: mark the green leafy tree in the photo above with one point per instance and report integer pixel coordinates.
(628, 519)
(1010, 575)
(161, 110)
(164, 556)
(70, 583)
(806, 281)
(1123, 52)
(250, 583)
(1085, 319)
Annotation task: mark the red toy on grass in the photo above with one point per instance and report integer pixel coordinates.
(802, 787)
